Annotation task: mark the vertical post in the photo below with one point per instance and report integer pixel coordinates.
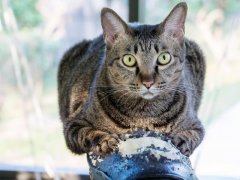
(133, 7)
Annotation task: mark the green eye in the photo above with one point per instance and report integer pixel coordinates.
(129, 60)
(164, 58)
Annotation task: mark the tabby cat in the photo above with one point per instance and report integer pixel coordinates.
(133, 76)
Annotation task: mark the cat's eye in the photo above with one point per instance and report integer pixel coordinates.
(164, 58)
(129, 60)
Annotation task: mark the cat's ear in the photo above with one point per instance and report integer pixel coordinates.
(173, 25)
(113, 26)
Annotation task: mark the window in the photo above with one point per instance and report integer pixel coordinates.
(214, 25)
(34, 34)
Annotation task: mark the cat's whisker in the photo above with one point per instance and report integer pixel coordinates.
(180, 87)
(183, 88)
(127, 93)
(129, 97)
(109, 93)
(179, 91)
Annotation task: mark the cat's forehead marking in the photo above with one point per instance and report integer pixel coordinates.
(141, 45)
(145, 43)
(156, 48)
(135, 48)
(150, 46)
(128, 48)
(144, 46)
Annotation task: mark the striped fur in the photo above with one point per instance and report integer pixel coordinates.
(99, 97)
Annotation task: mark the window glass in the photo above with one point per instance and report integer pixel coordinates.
(214, 25)
(34, 34)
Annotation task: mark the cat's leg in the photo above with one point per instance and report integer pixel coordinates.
(188, 139)
(82, 138)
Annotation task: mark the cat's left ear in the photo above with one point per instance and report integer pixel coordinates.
(174, 24)
(113, 26)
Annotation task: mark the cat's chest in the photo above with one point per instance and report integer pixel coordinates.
(147, 123)
(141, 123)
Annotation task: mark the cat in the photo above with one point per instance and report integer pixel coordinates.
(132, 76)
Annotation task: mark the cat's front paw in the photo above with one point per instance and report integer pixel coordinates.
(182, 144)
(106, 144)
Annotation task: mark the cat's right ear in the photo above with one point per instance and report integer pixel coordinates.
(113, 26)
(173, 25)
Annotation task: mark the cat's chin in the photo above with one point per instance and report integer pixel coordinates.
(148, 95)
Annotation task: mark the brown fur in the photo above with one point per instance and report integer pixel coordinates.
(100, 98)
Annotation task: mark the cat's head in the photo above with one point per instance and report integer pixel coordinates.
(144, 60)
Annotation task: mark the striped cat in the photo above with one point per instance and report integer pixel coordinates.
(132, 76)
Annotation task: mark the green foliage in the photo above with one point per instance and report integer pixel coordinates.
(26, 13)
(233, 7)
(229, 6)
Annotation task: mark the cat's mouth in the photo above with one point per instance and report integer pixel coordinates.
(148, 95)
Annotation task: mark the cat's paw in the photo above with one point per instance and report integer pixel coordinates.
(182, 144)
(106, 144)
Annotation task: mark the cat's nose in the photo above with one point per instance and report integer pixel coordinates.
(148, 84)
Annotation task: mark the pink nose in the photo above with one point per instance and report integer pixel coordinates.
(148, 84)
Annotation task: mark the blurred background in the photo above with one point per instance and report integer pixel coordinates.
(34, 34)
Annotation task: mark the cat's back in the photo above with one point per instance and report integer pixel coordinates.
(195, 57)
(195, 62)
(84, 53)
(77, 70)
